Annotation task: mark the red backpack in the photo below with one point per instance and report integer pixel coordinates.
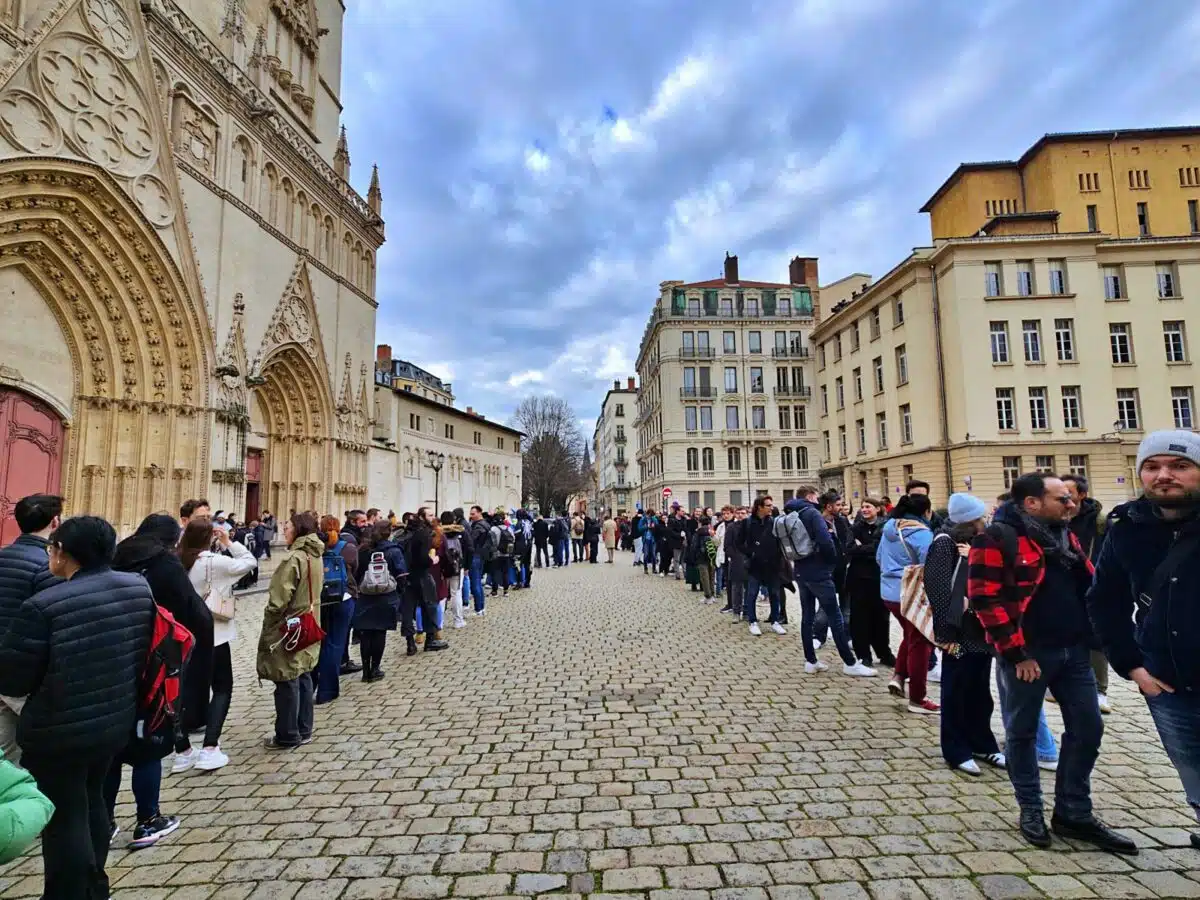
(158, 704)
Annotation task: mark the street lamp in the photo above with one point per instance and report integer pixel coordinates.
(435, 461)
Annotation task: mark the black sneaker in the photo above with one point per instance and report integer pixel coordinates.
(351, 668)
(433, 644)
(1033, 828)
(152, 830)
(412, 647)
(1092, 831)
(272, 744)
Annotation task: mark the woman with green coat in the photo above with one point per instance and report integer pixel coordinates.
(295, 589)
(24, 811)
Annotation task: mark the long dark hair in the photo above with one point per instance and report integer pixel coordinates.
(912, 506)
(304, 523)
(375, 535)
(197, 538)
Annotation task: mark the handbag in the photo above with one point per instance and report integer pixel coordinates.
(302, 631)
(914, 603)
(222, 605)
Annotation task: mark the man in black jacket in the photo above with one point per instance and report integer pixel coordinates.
(24, 570)
(82, 696)
(541, 537)
(1085, 525)
(479, 533)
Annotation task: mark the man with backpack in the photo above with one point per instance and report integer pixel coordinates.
(502, 542)
(479, 533)
(24, 570)
(1027, 580)
(453, 565)
(77, 650)
(1145, 601)
(541, 537)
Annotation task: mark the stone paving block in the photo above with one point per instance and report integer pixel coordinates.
(1061, 887)
(634, 879)
(1006, 887)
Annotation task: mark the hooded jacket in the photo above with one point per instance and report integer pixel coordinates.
(820, 564)
(1086, 527)
(904, 543)
(295, 588)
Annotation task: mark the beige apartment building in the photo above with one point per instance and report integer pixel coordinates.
(724, 413)
(1047, 328)
(612, 443)
(426, 452)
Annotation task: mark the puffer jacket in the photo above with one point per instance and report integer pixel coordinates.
(295, 588)
(894, 554)
(764, 556)
(77, 649)
(24, 570)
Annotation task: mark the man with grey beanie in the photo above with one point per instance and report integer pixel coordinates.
(1145, 601)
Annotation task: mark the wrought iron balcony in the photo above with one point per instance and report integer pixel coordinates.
(697, 393)
(793, 391)
(697, 353)
(790, 352)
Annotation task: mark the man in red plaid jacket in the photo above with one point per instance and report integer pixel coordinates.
(1028, 579)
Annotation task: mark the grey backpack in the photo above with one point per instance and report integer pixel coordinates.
(378, 577)
(794, 537)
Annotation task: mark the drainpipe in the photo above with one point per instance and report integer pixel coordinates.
(943, 413)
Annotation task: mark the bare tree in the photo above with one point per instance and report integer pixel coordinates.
(554, 450)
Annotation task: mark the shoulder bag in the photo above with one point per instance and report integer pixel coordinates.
(221, 604)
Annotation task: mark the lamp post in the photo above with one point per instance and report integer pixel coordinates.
(435, 461)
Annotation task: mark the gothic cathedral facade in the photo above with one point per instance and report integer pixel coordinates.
(187, 278)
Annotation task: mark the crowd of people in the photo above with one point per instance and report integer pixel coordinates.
(117, 654)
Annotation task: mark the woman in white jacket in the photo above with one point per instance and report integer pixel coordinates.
(213, 575)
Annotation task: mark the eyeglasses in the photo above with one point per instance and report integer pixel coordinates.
(1064, 499)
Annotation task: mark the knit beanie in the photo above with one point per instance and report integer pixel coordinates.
(965, 508)
(1185, 444)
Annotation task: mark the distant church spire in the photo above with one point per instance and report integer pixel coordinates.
(341, 157)
(374, 195)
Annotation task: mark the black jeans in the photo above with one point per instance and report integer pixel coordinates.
(499, 574)
(75, 843)
(222, 694)
(371, 644)
(577, 549)
(543, 552)
(294, 710)
(415, 596)
(967, 707)
(870, 622)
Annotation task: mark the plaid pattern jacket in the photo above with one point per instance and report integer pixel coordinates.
(1001, 580)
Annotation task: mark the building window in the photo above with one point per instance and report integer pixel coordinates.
(706, 459)
(1089, 182)
(842, 449)
(1143, 217)
(855, 340)
(1031, 337)
(881, 429)
(1064, 339)
(1189, 177)
(732, 418)
(756, 380)
(689, 418)
(735, 498)
(800, 416)
(689, 343)
(837, 346)
(1043, 465)
(1077, 464)
(1127, 409)
(729, 341)
(478, 438)
(1181, 406)
(897, 311)
(1006, 413)
(735, 459)
(1173, 336)
(1121, 343)
(1093, 218)
(802, 459)
(839, 392)
(752, 307)
(706, 418)
(1194, 216)
(906, 426)
(860, 427)
(414, 422)
(1011, 469)
(760, 459)
(857, 376)
(785, 418)
(824, 400)
(620, 413)
(901, 365)
(825, 437)
(993, 280)
(1072, 407)
(727, 307)
(1025, 278)
(499, 443)
(1039, 419)
(758, 418)
(1058, 276)
(884, 486)
(785, 458)
(693, 499)
(755, 340)
(875, 317)
(1139, 179)
(821, 356)
(693, 459)
(731, 380)
(1168, 280)
(449, 432)
(877, 366)
(1113, 282)
(999, 340)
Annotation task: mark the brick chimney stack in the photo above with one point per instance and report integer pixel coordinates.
(803, 270)
(731, 269)
(383, 353)
(632, 384)
(616, 384)
(470, 411)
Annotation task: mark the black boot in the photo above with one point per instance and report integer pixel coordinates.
(1033, 828)
(412, 645)
(1094, 832)
(434, 643)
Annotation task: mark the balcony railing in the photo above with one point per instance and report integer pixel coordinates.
(620, 439)
(620, 463)
(697, 353)
(697, 393)
(759, 388)
(667, 313)
(790, 352)
(793, 391)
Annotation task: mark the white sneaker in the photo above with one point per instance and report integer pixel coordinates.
(1104, 705)
(183, 761)
(995, 759)
(858, 670)
(662, 574)
(814, 668)
(817, 645)
(479, 613)
(208, 759)
(777, 628)
(754, 629)
(460, 622)
(970, 767)
(1048, 765)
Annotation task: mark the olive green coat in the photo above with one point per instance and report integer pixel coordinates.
(295, 585)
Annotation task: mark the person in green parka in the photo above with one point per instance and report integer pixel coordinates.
(295, 589)
(24, 811)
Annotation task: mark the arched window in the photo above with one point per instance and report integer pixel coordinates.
(243, 174)
(693, 459)
(288, 212)
(802, 458)
(271, 194)
(330, 253)
(314, 231)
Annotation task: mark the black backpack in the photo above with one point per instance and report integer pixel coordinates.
(507, 541)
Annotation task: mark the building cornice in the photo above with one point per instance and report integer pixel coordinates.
(461, 414)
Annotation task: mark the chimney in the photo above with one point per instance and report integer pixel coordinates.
(616, 384)
(803, 270)
(470, 411)
(632, 384)
(383, 352)
(731, 272)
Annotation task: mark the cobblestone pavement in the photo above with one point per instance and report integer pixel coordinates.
(606, 735)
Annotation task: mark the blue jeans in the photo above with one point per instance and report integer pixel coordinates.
(336, 621)
(819, 589)
(564, 551)
(1047, 747)
(719, 587)
(1177, 718)
(750, 607)
(477, 582)
(146, 783)
(466, 588)
(649, 554)
(1068, 673)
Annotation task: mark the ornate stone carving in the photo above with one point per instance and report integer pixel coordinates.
(111, 26)
(293, 322)
(233, 23)
(27, 122)
(155, 200)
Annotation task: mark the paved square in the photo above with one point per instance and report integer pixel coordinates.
(605, 734)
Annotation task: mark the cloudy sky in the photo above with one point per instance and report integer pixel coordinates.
(546, 163)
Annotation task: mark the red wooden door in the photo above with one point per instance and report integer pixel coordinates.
(31, 446)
